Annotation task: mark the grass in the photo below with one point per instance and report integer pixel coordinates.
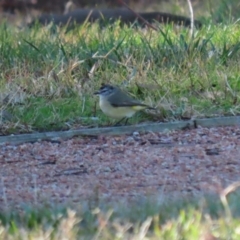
(48, 75)
(188, 218)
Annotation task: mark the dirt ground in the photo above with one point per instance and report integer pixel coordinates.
(120, 168)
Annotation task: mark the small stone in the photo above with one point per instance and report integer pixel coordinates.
(129, 139)
(107, 169)
(136, 134)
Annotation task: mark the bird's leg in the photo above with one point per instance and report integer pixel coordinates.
(118, 123)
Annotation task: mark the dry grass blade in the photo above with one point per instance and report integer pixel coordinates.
(223, 197)
(144, 229)
(191, 17)
(103, 222)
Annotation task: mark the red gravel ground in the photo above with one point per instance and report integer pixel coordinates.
(118, 168)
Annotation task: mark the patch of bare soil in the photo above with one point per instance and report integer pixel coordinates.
(120, 168)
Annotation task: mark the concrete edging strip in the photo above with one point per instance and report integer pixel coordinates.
(149, 127)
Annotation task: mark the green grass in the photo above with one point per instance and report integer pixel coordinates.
(188, 218)
(48, 75)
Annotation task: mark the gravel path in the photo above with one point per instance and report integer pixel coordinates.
(118, 168)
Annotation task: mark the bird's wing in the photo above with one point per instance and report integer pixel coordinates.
(127, 104)
(128, 101)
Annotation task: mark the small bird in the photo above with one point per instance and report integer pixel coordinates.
(117, 104)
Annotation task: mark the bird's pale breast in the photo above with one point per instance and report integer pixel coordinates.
(115, 112)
